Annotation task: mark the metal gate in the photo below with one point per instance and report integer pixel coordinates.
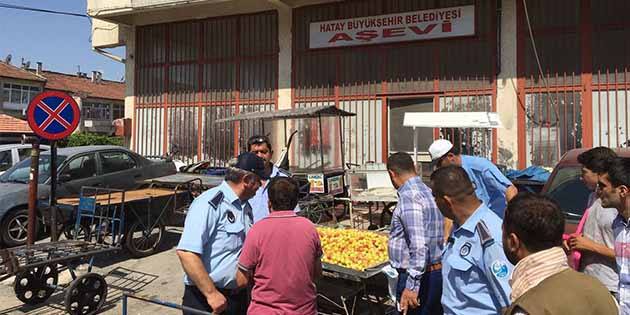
(577, 97)
(188, 74)
(459, 74)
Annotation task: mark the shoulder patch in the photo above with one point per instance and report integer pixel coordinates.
(499, 268)
(484, 234)
(216, 200)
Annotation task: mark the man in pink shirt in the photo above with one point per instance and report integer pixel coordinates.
(282, 256)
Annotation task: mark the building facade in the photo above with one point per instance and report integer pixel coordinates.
(555, 71)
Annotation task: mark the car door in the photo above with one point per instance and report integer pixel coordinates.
(6, 160)
(120, 169)
(79, 171)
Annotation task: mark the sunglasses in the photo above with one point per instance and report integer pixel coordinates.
(258, 140)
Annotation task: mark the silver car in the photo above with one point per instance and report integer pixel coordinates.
(11, 154)
(97, 166)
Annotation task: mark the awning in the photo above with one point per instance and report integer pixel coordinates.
(293, 113)
(453, 120)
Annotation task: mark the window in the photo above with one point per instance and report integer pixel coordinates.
(24, 153)
(116, 161)
(569, 191)
(400, 137)
(5, 160)
(80, 167)
(96, 111)
(21, 172)
(19, 94)
(118, 111)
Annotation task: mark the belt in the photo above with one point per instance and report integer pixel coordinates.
(434, 267)
(430, 268)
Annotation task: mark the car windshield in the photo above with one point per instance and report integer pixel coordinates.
(569, 191)
(20, 173)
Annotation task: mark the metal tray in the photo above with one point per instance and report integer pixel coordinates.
(337, 271)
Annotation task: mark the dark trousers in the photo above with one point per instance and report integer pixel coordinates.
(429, 295)
(237, 303)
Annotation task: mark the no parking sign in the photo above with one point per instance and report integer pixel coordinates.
(53, 115)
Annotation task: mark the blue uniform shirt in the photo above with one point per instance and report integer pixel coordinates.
(490, 183)
(259, 202)
(475, 270)
(215, 228)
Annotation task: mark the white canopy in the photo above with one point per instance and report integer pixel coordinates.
(453, 120)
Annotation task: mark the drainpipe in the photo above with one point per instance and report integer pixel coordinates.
(109, 55)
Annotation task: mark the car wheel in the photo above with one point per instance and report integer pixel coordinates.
(14, 228)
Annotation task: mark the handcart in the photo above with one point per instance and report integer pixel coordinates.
(317, 160)
(342, 288)
(36, 267)
(148, 211)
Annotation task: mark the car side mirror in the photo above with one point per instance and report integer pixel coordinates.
(63, 178)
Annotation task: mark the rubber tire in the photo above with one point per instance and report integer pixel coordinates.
(75, 283)
(138, 253)
(7, 241)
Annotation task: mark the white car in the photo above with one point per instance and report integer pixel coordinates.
(11, 154)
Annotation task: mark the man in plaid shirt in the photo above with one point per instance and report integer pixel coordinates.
(415, 240)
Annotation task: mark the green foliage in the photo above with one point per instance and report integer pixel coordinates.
(89, 138)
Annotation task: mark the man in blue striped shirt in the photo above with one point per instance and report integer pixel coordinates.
(415, 240)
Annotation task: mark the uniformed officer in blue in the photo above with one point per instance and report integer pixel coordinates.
(491, 186)
(214, 232)
(261, 146)
(475, 270)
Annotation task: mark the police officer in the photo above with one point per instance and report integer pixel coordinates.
(474, 267)
(214, 232)
(261, 146)
(491, 186)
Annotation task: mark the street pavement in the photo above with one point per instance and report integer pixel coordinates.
(158, 276)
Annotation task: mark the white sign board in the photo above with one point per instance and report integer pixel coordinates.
(453, 120)
(391, 28)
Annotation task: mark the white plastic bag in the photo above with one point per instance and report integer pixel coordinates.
(392, 281)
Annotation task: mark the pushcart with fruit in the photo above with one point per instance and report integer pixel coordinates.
(352, 266)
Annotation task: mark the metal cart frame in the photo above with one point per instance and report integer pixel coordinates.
(36, 267)
(312, 204)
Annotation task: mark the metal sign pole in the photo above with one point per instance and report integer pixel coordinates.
(415, 148)
(32, 193)
(53, 190)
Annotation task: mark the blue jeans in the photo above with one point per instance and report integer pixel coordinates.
(429, 295)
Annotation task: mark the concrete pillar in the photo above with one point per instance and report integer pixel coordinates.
(130, 79)
(285, 55)
(81, 125)
(285, 43)
(507, 98)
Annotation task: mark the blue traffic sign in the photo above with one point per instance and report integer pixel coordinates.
(53, 115)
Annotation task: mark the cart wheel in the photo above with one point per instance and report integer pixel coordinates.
(86, 294)
(69, 231)
(36, 285)
(315, 212)
(141, 240)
